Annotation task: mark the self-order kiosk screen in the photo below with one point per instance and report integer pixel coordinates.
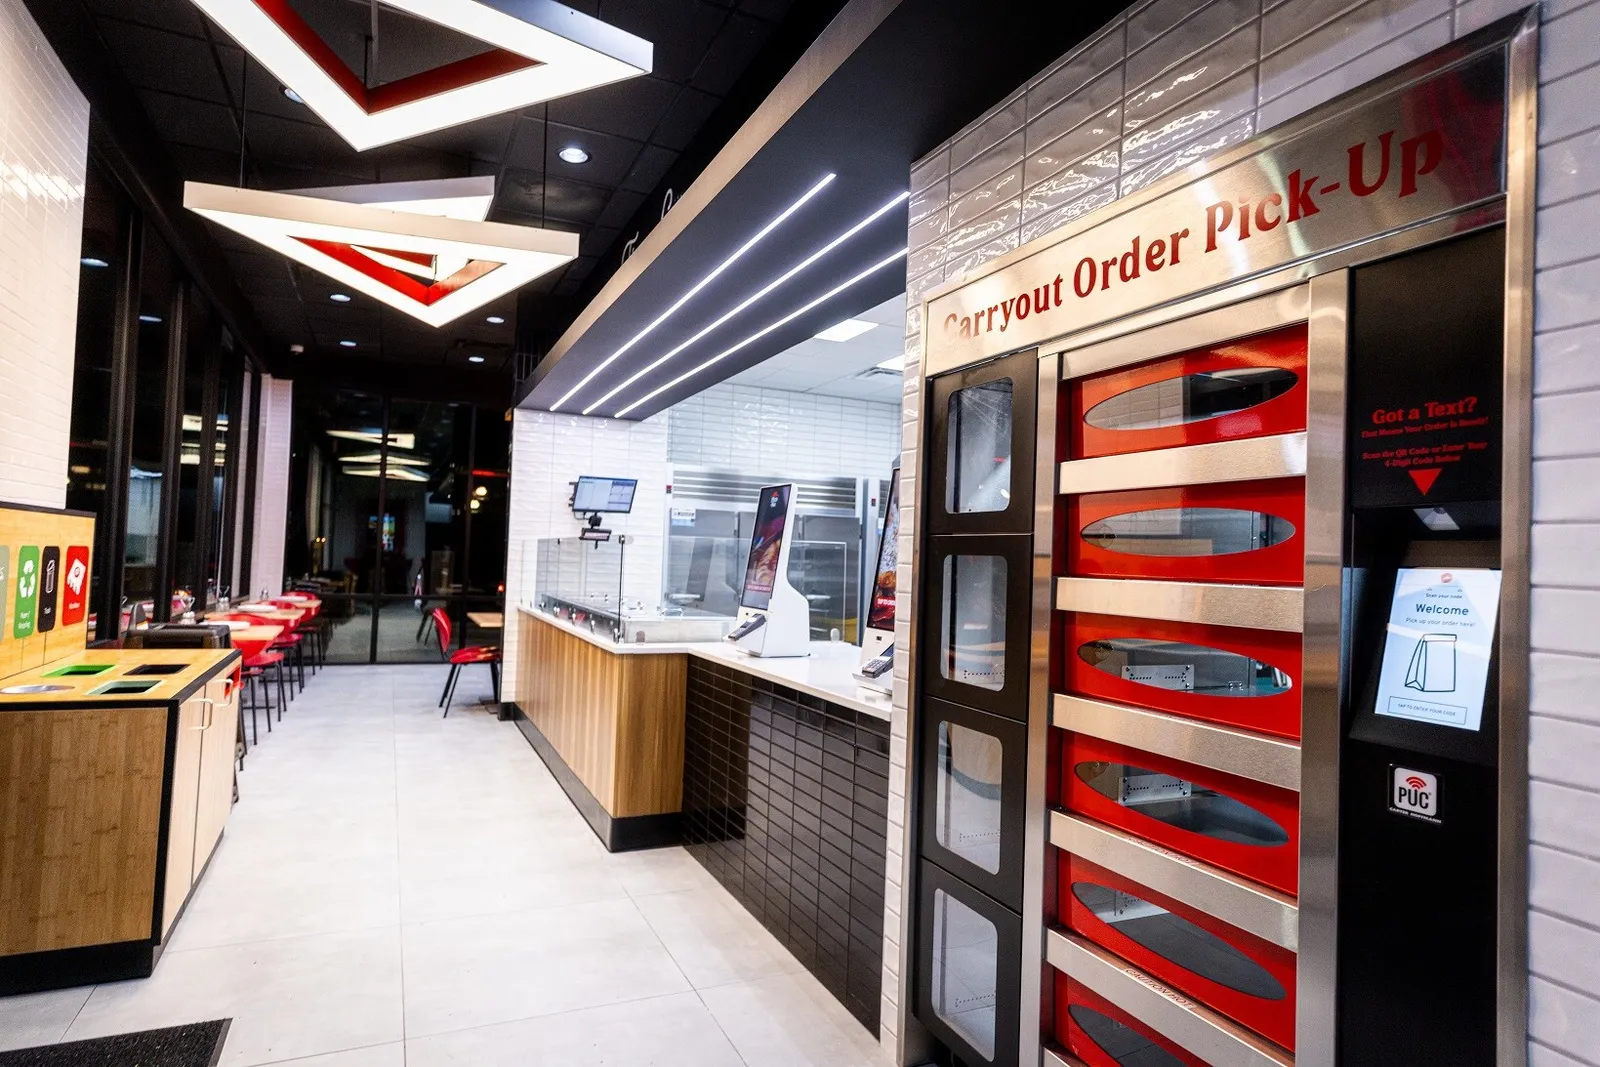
(766, 544)
(1439, 642)
(880, 613)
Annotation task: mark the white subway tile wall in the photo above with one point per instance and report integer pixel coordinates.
(776, 431)
(1172, 81)
(44, 149)
(548, 452)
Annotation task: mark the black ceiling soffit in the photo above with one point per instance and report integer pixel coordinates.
(883, 85)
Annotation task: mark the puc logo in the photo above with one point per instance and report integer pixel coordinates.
(1415, 793)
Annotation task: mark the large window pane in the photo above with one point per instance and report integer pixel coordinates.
(105, 217)
(149, 421)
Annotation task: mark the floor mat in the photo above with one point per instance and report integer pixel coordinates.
(194, 1045)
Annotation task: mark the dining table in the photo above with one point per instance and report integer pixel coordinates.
(487, 620)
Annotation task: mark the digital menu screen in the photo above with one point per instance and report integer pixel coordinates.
(766, 545)
(609, 495)
(880, 610)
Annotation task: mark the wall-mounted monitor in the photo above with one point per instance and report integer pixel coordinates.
(880, 608)
(766, 547)
(597, 496)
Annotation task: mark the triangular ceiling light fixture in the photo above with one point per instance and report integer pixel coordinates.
(539, 50)
(420, 247)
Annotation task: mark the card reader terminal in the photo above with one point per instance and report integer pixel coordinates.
(878, 665)
(749, 626)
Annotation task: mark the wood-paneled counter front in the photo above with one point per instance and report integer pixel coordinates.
(111, 804)
(610, 721)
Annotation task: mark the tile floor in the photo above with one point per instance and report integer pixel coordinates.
(399, 889)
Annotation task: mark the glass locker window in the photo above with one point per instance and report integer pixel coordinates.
(1125, 1045)
(965, 971)
(1182, 804)
(1178, 940)
(1183, 667)
(967, 795)
(978, 465)
(972, 629)
(1190, 398)
(1188, 532)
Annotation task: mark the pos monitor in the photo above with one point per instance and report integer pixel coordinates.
(774, 618)
(877, 646)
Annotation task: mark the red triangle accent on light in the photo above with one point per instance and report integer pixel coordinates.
(1425, 477)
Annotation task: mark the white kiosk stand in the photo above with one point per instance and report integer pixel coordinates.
(876, 670)
(774, 618)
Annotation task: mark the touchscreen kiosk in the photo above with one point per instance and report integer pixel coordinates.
(774, 617)
(877, 647)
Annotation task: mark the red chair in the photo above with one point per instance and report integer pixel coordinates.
(488, 654)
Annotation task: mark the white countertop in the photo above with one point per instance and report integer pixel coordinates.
(826, 673)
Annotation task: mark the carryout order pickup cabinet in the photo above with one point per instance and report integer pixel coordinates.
(1221, 602)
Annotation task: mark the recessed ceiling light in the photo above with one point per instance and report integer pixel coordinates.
(753, 338)
(150, 318)
(573, 154)
(474, 359)
(699, 285)
(347, 344)
(536, 52)
(93, 261)
(292, 95)
(846, 330)
(339, 298)
(495, 320)
(752, 298)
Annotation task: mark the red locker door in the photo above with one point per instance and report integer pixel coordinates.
(1246, 978)
(1103, 1035)
(1246, 827)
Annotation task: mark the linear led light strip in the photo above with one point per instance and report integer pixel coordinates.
(785, 276)
(753, 338)
(701, 284)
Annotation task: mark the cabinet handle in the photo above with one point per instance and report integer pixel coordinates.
(211, 711)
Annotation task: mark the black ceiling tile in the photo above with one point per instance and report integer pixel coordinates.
(619, 210)
(181, 120)
(206, 164)
(283, 140)
(652, 166)
(624, 109)
(522, 196)
(684, 119)
(680, 31)
(596, 242)
(772, 10)
(485, 138)
(158, 59)
(730, 54)
(179, 16)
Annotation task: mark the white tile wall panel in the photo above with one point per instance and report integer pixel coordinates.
(1224, 70)
(1551, 942)
(274, 443)
(44, 147)
(1565, 818)
(1563, 1019)
(1545, 1056)
(1564, 884)
(1565, 685)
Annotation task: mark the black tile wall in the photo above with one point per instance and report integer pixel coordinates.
(785, 802)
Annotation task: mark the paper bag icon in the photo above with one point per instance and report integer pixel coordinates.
(1433, 664)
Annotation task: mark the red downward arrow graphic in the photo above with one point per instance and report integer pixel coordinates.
(1425, 478)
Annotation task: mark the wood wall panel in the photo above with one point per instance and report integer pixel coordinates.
(80, 793)
(615, 719)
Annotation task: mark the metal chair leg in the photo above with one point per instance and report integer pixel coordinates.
(448, 682)
(450, 695)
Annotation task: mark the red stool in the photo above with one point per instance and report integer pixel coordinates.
(255, 669)
(487, 654)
